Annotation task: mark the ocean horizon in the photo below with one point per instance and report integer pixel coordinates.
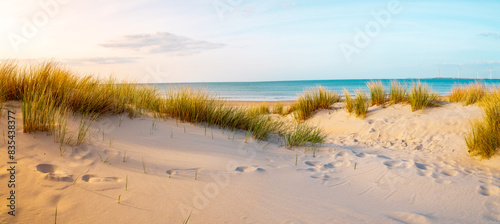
(288, 90)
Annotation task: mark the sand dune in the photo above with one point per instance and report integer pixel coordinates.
(393, 167)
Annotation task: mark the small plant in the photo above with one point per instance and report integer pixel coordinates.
(312, 100)
(483, 138)
(361, 104)
(76, 179)
(355, 164)
(296, 159)
(421, 97)
(125, 156)
(119, 197)
(398, 93)
(302, 134)
(55, 216)
(61, 152)
(126, 183)
(377, 94)
(469, 94)
(195, 174)
(143, 165)
(111, 141)
(349, 102)
(84, 127)
(120, 121)
(187, 220)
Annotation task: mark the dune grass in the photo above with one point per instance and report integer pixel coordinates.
(483, 138)
(349, 102)
(377, 94)
(468, 94)
(312, 100)
(278, 108)
(398, 93)
(421, 97)
(301, 134)
(361, 104)
(49, 91)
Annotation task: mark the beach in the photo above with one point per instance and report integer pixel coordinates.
(394, 166)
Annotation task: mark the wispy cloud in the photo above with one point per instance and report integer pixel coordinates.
(490, 34)
(161, 42)
(103, 60)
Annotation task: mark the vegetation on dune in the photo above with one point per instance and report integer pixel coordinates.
(398, 93)
(421, 96)
(377, 94)
(49, 92)
(312, 100)
(361, 104)
(302, 134)
(348, 101)
(468, 94)
(483, 139)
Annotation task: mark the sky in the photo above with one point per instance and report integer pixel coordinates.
(161, 41)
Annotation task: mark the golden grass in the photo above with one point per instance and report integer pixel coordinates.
(421, 96)
(349, 102)
(468, 94)
(49, 92)
(398, 93)
(483, 139)
(361, 104)
(312, 100)
(377, 94)
(278, 108)
(302, 134)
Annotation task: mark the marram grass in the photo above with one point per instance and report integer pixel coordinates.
(312, 100)
(421, 96)
(361, 104)
(483, 138)
(377, 94)
(49, 91)
(468, 94)
(398, 93)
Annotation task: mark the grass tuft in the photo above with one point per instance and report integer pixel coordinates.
(349, 102)
(361, 104)
(312, 100)
(421, 97)
(468, 94)
(483, 138)
(302, 134)
(398, 93)
(377, 94)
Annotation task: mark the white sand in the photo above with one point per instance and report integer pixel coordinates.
(393, 167)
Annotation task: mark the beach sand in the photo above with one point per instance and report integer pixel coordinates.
(395, 166)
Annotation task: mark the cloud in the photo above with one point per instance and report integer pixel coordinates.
(490, 34)
(161, 42)
(104, 60)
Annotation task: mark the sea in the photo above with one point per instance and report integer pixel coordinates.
(289, 90)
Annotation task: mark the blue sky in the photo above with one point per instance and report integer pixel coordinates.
(256, 40)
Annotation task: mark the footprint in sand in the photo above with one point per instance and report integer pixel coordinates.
(405, 217)
(422, 169)
(449, 172)
(53, 172)
(488, 190)
(95, 179)
(247, 169)
(312, 163)
(493, 209)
